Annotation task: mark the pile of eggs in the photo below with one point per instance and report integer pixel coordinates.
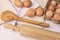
(35, 12)
(20, 3)
(53, 12)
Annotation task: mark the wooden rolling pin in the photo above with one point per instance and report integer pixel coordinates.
(33, 32)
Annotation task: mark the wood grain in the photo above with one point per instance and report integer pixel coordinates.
(33, 32)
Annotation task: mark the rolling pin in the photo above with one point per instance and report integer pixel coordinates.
(34, 32)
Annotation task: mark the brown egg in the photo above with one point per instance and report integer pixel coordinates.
(31, 12)
(51, 8)
(58, 6)
(49, 14)
(53, 2)
(18, 3)
(39, 11)
(56, 18)
(27, 3)
(58, 11)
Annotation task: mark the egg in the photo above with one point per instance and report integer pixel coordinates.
(58, 6)
(31, 12)
(39, 11)
(27, 3)
(51, 8)
(18, 3)
(56, 18)
(49, 14)
(58, 11)
(53, 2)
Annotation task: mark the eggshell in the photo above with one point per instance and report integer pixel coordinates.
(18, 3)
(39, 11)
(31, 12)
(58, 6)
(51, 8)
(56, 18)
(27, 3)
(53, 2)
(49, 14)
(58, 11)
